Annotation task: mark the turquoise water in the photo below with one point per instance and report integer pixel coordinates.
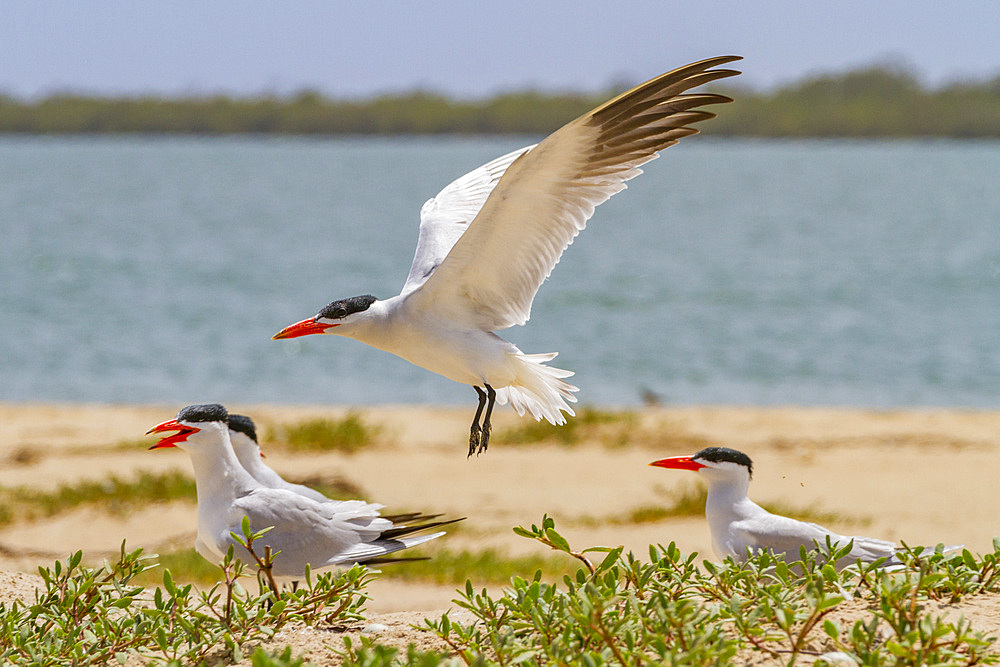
(815, 273)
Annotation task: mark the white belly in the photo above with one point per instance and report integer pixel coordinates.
(468, 356)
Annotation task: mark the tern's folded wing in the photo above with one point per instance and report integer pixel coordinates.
(306, 531)
(780, 534)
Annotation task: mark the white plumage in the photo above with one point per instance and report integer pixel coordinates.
(490, 239)
(248, 453)
(740, 526)
(304, 531)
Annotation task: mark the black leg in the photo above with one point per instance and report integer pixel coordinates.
(475, 431)
(491, 395)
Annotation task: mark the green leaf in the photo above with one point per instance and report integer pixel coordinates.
(827, 603)
(610, 559)
(168, 583)
(557, 540)
(897, 649)
(524, 657)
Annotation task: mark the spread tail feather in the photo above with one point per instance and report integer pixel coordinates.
(539, 389)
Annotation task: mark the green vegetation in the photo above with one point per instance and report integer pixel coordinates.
(442, 567)
(485, 567)
(186, 566)
(348, 434)
(618, 610)
(668, 611)
(114, 494)
(92, 616)
(872, 101)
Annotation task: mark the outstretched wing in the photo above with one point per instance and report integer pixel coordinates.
(444, 218)
(545, 197)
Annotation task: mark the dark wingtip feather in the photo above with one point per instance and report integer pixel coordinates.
(383, 560)
(397, 532)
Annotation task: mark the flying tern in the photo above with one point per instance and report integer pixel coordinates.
(740, 526)
(488, 240)
(304, 530)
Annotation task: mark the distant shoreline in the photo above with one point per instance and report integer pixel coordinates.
(870, 102)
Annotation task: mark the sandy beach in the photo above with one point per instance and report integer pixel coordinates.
(922, 476)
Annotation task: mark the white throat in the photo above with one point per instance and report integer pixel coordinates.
(218, 475)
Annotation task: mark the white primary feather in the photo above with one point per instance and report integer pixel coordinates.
(445, 217)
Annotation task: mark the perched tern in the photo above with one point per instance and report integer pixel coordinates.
(243, 437)
(304, 531)
(488, 240)
(740, 526)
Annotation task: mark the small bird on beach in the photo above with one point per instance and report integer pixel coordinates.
(243, 437)
(740, 526)
(305, 531)
(488, 240)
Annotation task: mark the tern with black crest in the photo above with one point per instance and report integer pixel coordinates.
(243, 437)
(740, 526)
(303, 530)
(488, 240)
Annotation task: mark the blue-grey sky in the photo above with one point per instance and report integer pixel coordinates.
(468, 48)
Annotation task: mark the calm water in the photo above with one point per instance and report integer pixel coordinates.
(156, 270)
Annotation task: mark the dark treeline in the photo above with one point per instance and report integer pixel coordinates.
(877, 101)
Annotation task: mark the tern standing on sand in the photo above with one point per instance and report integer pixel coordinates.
(740, 526)
(305, 531)
(243, 437)
(488, 240)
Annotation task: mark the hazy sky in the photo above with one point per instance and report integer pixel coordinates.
(468, 48)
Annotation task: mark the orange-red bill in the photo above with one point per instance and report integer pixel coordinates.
(678, 463)
(171, 440)
(303, 328)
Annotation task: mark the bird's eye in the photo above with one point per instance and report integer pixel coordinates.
(341, 313)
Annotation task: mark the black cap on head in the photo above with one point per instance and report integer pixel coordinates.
(244, 425)
(338, 310)
(720, 454)
(210, 412)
